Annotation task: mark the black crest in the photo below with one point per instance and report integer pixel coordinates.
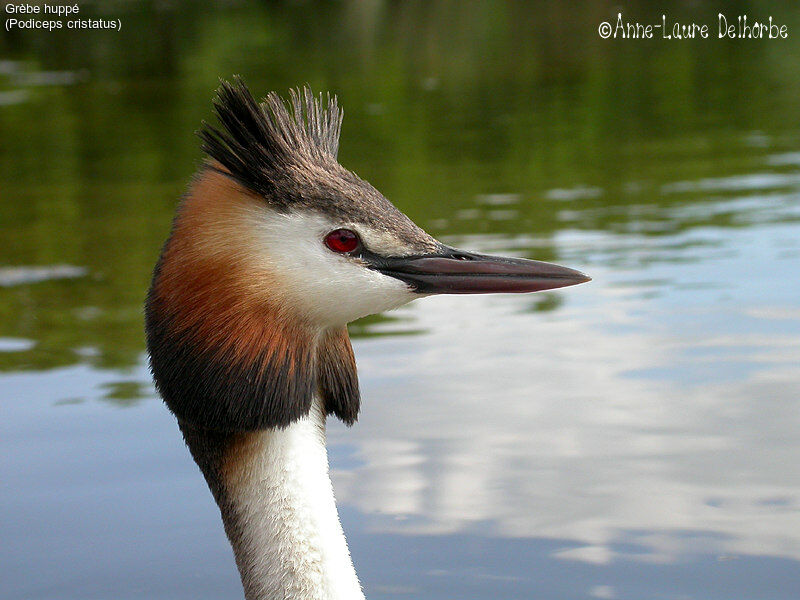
(259, 143)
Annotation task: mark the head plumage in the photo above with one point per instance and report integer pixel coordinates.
(285, 152)
(258, 143)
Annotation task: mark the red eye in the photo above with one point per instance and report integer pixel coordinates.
(342, 240)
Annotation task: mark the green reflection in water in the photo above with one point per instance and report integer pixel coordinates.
(506, 121)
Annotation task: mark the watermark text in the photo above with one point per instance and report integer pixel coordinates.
(52, 17)
(728, 27)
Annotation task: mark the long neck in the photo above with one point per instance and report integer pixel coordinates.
(277, 504)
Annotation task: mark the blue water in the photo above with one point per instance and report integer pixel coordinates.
(631, 438)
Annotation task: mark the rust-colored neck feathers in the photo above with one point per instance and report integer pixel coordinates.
(225, 355)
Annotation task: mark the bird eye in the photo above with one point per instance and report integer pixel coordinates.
(342, 240)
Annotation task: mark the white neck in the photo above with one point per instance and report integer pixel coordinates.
(280, 515)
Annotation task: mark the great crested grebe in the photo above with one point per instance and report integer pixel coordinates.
(273, 250)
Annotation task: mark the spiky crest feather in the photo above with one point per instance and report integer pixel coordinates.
(258, 143)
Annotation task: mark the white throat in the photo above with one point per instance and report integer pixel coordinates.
(281, 515)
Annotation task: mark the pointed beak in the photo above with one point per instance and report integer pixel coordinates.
(452, 271)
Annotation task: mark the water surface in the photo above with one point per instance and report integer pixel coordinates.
(633, 438)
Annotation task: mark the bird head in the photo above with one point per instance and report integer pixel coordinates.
(273, 250)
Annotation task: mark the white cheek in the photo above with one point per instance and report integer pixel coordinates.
(330, 288)
(349, 291)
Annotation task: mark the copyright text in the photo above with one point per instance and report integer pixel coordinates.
(730, 27)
